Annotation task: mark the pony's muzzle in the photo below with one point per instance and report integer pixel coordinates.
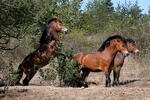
(65, 30)
(126, 53)
(136, 51)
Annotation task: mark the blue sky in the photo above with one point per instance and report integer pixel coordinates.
(144, 4)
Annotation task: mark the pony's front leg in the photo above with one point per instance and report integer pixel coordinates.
(116, 73)
(114, 77)
(108, 80)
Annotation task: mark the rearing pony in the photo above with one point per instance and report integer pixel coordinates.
(102, 60)
(48, 48)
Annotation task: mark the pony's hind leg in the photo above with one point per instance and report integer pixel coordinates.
(29, 75)
(20, 74)
(84, 75)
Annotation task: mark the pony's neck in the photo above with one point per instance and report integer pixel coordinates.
(111, 51)
(51, 30)
(53, 34)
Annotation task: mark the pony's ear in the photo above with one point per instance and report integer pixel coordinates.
(108, 43)
(112, 41)
(118, 40)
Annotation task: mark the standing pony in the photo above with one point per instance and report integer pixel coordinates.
(48, 48)
(119, 60)
(103, 59)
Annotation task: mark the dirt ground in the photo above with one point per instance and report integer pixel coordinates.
(134, 78)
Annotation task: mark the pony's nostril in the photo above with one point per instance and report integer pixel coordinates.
(137, 51)
(66, 30)
(126, 53)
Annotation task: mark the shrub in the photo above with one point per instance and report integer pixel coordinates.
(49, 74)
(8, 76)
(64, 68)
(67, 71)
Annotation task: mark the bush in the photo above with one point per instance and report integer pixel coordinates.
(64, 68)
(67, 71)
(49, 74)
(8, 76)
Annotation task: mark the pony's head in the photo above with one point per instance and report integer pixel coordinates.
(51, 30)
(131, 46)
(57, 25)
(121, 46)
(119, 42)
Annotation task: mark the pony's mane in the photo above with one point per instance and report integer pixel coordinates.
(54, 19)
(130, 41)
(45, 38)
(107, 42)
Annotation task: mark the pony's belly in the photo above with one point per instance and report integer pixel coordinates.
(94, 68)
(41, 61)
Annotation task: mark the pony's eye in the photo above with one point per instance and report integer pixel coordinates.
(59, 25)
(123, 45)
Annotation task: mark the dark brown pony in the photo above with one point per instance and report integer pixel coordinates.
(119, 60)
(48, 48)
(103, 59)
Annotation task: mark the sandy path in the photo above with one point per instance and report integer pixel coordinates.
(69, 93)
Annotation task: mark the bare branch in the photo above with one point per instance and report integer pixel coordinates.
(6, 42)
(5, 48)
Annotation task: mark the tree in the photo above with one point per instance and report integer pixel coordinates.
(15, 18)
(129, 13)
(22, 17)
(98, 14)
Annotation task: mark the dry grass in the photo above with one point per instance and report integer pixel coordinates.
(134, 78)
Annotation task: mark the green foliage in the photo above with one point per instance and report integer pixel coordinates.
(28, 17)
(8, 75)
(67, 70)
(15, 19)
(98, 15)
(64, 68)
(48, 74)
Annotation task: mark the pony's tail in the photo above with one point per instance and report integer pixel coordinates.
(20, 73)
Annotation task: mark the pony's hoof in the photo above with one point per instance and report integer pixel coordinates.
(82, 87)
(18, 84)
(115, 84)
(85, 85)
(108, 85)
(25, 83)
